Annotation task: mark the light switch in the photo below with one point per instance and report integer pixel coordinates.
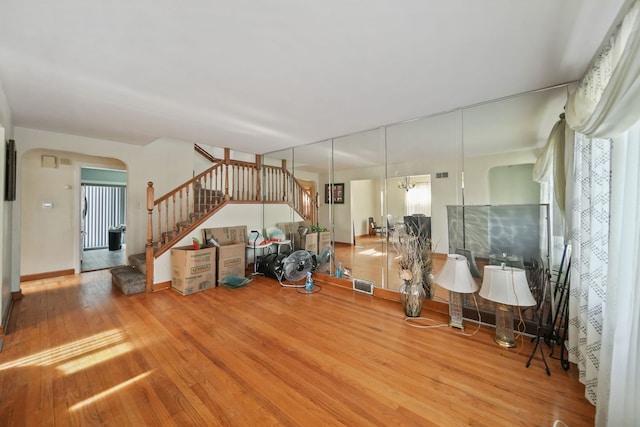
(47, 205)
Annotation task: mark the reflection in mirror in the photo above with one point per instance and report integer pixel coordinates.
(312, 166)
(428, 153)
(360, 242)
(506, 216)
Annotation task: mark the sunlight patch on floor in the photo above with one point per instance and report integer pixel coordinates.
(109, 391)
(67, 351)
(95, 358)
(372, 252)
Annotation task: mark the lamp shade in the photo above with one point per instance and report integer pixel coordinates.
(455, 275)
(506, 286)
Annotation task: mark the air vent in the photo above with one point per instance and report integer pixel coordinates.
(364, 286)
(442, 175)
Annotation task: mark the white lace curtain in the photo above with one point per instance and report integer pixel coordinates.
(589, 238)
(606, 337)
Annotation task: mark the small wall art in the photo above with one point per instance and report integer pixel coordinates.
(334, 193)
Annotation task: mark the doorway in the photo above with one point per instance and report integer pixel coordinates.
(102, 218)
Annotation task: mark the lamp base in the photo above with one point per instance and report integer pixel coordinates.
(504, 326)
(504, 343)
(455, 310)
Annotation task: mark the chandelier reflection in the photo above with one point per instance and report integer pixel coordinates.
(407, 184)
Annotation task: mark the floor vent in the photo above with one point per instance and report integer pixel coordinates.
(364, 286)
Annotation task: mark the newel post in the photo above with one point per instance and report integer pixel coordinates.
(259, 177)
(227, 160)
(149, 246)
(285, 177)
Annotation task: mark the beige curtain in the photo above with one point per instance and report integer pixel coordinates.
(555, 164)
(605, 103)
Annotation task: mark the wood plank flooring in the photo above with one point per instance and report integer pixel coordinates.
(79, 353)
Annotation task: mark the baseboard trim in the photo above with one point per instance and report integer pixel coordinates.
(161, 286)
(47, 275)
(4, 327)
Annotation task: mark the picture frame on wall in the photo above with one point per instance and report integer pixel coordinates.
(334, 193)
(10, 171)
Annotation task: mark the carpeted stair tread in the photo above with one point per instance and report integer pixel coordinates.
(139, 261)
(129, 280)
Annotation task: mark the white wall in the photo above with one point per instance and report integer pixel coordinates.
(476, 173)
(50, 237)
(365, 203)
(396, 199)
(166, 162)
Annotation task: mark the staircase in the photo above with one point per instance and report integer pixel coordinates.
(176, 214)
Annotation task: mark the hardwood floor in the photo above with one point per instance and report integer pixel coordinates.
(80, 353)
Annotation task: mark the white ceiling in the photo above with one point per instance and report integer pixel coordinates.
(259, 76)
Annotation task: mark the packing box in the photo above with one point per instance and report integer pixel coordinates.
(231, 260)
(324, 239)
(193, 270)
(311, 242)
(225, 235)
(231, 243)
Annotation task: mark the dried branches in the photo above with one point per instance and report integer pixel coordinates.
(415, 260)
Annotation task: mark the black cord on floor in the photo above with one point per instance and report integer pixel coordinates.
(315, 290)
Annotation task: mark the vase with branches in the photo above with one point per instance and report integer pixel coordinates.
(415, 262)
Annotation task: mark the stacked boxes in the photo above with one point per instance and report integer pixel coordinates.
(231, 243)
(193, 270)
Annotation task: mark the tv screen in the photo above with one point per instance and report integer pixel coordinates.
(418, 225)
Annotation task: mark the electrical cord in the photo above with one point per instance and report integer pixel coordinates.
(479, 319)
(413, 325)
(303, 290)
(521, 323)
(408, 320)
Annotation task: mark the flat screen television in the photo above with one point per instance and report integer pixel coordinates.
(418, 225)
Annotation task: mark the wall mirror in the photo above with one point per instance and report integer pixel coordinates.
(506, 216)
(462, 157)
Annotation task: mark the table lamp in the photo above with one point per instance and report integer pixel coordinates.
(456, 277)
(507, 287)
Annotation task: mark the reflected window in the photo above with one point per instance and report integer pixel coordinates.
(418, 199)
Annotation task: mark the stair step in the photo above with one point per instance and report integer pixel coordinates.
(129, 280)
(139, 261)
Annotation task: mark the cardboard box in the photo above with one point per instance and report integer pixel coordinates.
(231, 243)
(225, 235)
(193, 270)
(311, 242)
(231, 260)
(324, 239)
(290, 230)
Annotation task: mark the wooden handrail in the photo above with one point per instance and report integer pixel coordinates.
(204, 153)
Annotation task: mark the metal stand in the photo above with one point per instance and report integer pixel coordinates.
(559, 324)
(539, 329)
(255, 253)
